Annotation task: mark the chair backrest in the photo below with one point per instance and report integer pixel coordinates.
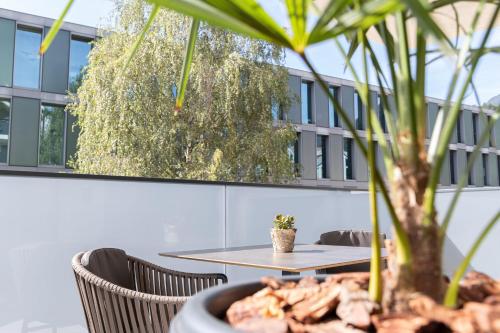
(349, 238)
(110, 265)
(147, 306)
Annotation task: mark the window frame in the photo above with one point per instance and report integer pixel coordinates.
(310, 99)
(344, 159)
(470, 179)
(453, 167)
(32, 28)
(323, 141)
(358, 112)
(65, 125)
(460, 136)
(333, 117)
(81, 38)
(485, 169)
(8, 99)
(475, 125)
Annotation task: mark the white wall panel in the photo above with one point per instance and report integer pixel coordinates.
(45, 221)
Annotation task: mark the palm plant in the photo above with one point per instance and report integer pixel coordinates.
(413, 170)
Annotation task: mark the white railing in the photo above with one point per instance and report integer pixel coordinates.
(45, 220)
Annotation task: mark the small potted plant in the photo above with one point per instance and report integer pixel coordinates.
(283, 233)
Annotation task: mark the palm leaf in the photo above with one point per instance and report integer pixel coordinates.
(55, 28)
(188, 59)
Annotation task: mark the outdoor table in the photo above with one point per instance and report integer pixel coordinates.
(305, 257)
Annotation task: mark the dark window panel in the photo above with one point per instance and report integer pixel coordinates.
(321, 156)
(453, 166)
(7, 36)
(381, 114)
(475, 127)
(358, 111)
(79, 51)
(4, 129)
(348, 159)
(485, 169)
(459, 128)
(52, 120)
(469, 176)
(293, 153)
(27, 58)
(306, 100)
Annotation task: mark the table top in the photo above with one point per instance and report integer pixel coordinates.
(305, 257)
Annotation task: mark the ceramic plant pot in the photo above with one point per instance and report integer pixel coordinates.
(283, 239)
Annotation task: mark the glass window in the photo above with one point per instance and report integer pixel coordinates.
(485, 169)
(306, 100)
(498, 169)
(293, 152)
(469, 176)
(381, 114)
(333, 117)
(27, 57)
(4, 129)
(358, 111)
(321, 161)
(475, 127)
(459, 128)
(51, 135)
(78, 60)
(277, 110)
(348, 159)
(492, 137)
(453, 165)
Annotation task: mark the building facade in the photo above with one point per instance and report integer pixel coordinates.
(36, 133)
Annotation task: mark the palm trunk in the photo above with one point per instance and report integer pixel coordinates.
(424, 273)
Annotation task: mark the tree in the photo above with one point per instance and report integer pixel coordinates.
(225, 130)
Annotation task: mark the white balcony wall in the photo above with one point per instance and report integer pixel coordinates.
(45, 221)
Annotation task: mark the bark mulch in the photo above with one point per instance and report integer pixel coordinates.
(341, 304)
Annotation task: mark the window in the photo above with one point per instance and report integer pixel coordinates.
(475, 127)
(293, 152)
(321, 162)
(459, 128)
(348, 159)
(277, 110)
(453, 165)
(498, 169)
(358, 111)
(492, 138)
(4, 129)
(381, 114)
(469, 176)
(51, 135)
(333, 117)
(306, 99)
(485, 169)
(27, 57)
(78, 60)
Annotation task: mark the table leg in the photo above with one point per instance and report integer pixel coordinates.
(287, 273)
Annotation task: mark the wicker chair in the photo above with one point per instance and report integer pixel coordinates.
(144, 299)
(348, 238)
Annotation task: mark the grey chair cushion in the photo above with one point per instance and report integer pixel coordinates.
(110, 265)
(348, 238)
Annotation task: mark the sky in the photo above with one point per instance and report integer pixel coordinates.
(325, 57)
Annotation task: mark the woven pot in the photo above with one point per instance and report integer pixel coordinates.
(283, 239)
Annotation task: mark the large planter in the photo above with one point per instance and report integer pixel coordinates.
(283, 240)
(204, 312)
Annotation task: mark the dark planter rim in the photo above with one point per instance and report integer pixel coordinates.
(201, 313)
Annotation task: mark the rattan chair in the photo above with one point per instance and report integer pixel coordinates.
(154, 296)
(348, 238)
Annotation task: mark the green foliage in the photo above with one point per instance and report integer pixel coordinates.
(225, 129)
(284, 222)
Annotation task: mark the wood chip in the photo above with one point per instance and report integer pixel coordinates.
(355, 306)
(317, 305)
